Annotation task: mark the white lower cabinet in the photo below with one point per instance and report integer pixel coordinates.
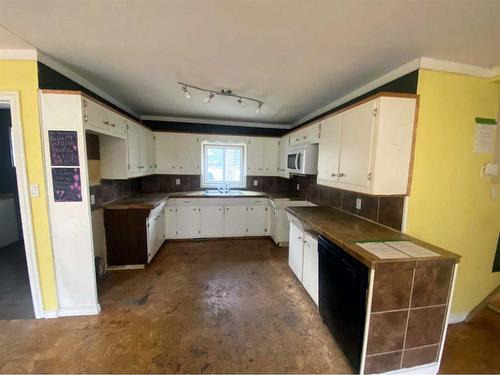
(156, 234)
(171, 222)
(310, 275)
(296, 250)
(212, 221)
(188, 222)
(257, 220)
(235, 223)
(303, 258)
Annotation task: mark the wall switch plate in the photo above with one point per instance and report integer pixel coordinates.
(35, 191)
(298, 187)
(177, 181)
(255, 182)
(358, 203)
(92, 199)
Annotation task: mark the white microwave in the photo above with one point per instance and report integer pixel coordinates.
(303, 159)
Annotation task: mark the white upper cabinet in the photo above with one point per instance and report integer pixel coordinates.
(95, 116)
(282, 156)
(133, 149)
(255, 154)
(329, 155)
(117, 125)
(270, 166)
(152, 153)
(177, 153)
(306, 135)
(368, 147)
(144, 137)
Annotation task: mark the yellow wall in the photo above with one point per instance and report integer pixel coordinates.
(450, 203)
(22, 76)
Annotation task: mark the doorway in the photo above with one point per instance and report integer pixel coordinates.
(20, 295)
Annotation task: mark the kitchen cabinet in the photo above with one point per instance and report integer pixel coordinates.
(235, 223)
(310, 276)
(133, 149)
(296, 249)
(329, 154)
(270, 156)
(155, 231)
(152, 153)
(95, 116)
(171, 222)
(368, 148)
(282, 156)
(279, 221)
(117, 125)
(255, 155)
(257, 220)
(177, 153)
(212, 221)
(144, 149)
(307, 135)
(188, 222)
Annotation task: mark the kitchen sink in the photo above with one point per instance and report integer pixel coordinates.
(222, 193)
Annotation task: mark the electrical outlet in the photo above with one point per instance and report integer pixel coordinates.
(298, 187)
(92, 199)
(35, 191)
(358, 203)
(177, 181)
(255, 182)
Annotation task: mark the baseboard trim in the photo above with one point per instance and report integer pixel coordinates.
(50, 314)
(80, 311)
(455, 318)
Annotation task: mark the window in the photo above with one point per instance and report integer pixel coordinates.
(223, 164)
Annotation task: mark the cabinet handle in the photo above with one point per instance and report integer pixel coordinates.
(194, 209)
(112, 125)
(334, 174)
(106, 122)
(341, 175)
(300, 238)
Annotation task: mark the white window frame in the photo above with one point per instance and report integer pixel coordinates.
(240, 184)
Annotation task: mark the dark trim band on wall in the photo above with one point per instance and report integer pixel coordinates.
(185, 127)
(50, 79)
(406, 84)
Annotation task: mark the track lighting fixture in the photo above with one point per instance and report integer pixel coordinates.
(209, 98)
(186, 92)
(242, 100)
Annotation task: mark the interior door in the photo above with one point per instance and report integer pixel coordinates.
(188, 222)
(212, 221)
(257, 219)
(356, 145)
(133, 149)
(255, 154)
(235, 220)
(329, 148)
(296, 250)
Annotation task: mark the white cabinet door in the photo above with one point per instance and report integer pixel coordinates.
(255, 164)
(296, 250)
(133, 145)
(144, 135)
(171, 222)
(188, 222)
(189, 154)
(310, 276)
(160, 227)
(212, 221)
(270, 156)
(329, 149)
(152, 153)
(311, 133)
(356, 148)
(274, 224)
(257, 220)
(235, 222)
(166, 153)
(295, 138)
(282, 156)
(151, 236)
(95, 115)
(117, 125)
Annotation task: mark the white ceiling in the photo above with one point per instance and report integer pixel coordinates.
(295, 55)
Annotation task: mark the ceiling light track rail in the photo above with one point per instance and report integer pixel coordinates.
(223, 92)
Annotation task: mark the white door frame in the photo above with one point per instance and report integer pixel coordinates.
(10, 99)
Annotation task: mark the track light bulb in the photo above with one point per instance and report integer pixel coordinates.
(242, 103)
(209, 98)
(259, 108)
(186, 92)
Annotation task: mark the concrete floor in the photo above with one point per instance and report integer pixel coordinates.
(15, 292)
(212, 306)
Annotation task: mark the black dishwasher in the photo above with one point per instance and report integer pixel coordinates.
(343, 283)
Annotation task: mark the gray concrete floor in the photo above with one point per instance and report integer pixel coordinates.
(15, 292)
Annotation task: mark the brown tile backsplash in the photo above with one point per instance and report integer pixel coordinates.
(386, 332)
(110, 190)
(383, 363)
(425, 326)
(420, 356)
(382, 209)
(392, 286)
(432, 283)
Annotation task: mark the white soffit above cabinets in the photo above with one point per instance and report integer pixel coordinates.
(296, 56)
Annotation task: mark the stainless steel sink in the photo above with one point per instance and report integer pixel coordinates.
(223, 193)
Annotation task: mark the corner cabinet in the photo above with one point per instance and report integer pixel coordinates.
(368, 148)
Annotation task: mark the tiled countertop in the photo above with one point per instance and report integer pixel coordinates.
(345, 230)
